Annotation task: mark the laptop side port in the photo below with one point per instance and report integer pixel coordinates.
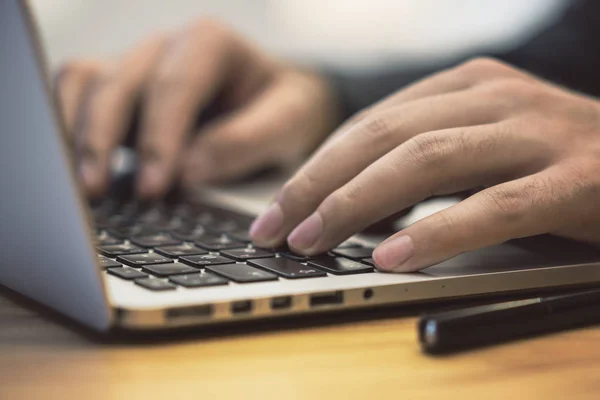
(327, 299)
(241, 307)
(189, 312)
(281, 303)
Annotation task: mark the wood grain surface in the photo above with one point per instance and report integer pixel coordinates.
(42, 357)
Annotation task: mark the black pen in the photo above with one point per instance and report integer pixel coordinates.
(478, 326)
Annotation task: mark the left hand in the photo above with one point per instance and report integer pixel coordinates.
(533, 147)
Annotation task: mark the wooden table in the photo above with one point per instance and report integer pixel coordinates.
(41, 357)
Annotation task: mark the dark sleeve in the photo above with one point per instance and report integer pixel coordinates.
(567, 52)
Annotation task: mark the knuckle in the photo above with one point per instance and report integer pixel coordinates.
(376, 127)
(165, 83)
(358, 117)
(207, 25)
(300, 186)
(482, 67)
(445, 222)
(71, 67)
(515, 88)
(432, 149)
(62, 72)
(345, 200)
(509, 202)
(83, 66)
(514, 202)
(215, 31)
(349, 194)
(582, 179)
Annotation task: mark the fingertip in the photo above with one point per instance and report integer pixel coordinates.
(264, 231)
(394, 254)
(304, 237)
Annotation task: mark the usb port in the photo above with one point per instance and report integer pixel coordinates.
(241, 307)
(281, 303)
(327, 299)
(189, 312)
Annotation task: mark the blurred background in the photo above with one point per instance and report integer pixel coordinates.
(350, 34)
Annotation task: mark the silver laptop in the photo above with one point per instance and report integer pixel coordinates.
(121, 265)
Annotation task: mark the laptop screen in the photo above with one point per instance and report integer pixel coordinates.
(45, 248)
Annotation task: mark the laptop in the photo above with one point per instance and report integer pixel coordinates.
(128, 266)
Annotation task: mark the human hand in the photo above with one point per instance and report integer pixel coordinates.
(271, 113)
(533, 149)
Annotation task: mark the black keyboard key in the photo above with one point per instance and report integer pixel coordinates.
(241, 235)
(103, 208)
(206, 218)
(222, 226)
(201, 279)
(155, 284)
(218, 242)
(205, 259)
(115, 250)
(244, 221)
(154, 240)
(139, 260)
(287, 268)
(118, 221)
(107, 262)
(100, 224)
(169, 269)
(355, 253)
(130, 231)
(168, 224)
(184, 211)
(180, 250)
(242, 273)
(126, 273)
(295, 257)
(340, 266)
(282, 248)
(302, 258)
(348, 244)
(247, 254)
(368, 261)
(152, 215)
(104, 239)
(189, 233)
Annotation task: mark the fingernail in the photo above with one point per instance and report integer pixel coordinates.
(306, 234)
(393, 253)
(265, 228)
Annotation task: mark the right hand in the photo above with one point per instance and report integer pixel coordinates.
(273, 113)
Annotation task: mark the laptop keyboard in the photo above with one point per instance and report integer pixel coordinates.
(162, 248)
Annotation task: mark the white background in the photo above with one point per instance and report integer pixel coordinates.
(350, 33)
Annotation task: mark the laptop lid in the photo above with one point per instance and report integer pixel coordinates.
(45, 247)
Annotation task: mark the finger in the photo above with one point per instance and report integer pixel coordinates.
(360, 146)
(190, 74)
(109, 110)
(532, 205)
(71, 82)
(461, 77)
(247, 140)
(434, 163)
(458, 78)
